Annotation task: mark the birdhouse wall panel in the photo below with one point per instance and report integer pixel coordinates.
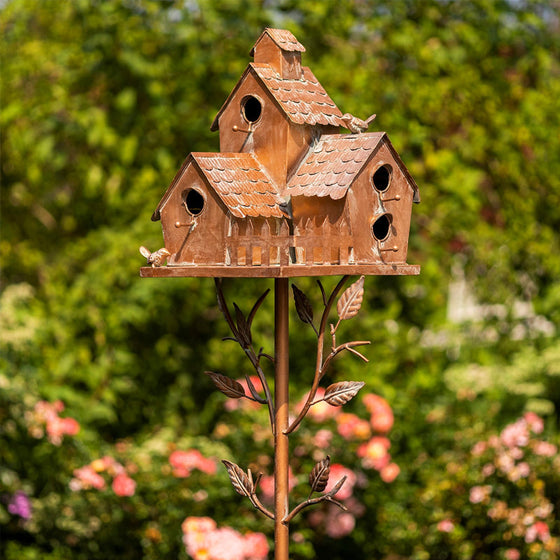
(194, 228)
(380, 203)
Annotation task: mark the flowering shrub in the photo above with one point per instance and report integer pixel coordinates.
(205, 541)
(89, 477)
(499, 495)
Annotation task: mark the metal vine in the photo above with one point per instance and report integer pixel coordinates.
(336, 394)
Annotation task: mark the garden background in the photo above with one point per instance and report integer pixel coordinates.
(110, 434)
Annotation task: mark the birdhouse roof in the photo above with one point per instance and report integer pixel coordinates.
(283, 38)
(332, 164)
(242, 184)
(303, 101)
(239, 180)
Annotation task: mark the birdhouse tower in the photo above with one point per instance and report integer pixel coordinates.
(290, 193)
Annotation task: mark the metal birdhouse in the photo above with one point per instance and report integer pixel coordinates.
(289, 194)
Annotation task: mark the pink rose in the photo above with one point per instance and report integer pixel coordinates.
(123, 485)
(389, 472)
(445, 526)
(255, 546)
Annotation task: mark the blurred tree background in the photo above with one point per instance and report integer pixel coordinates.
(101, 101)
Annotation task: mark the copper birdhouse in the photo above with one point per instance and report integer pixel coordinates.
(289, 194)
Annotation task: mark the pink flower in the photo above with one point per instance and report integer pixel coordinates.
(267, 485)
(336, 473)
(445, 526)
(382, 418)
(350, 426)
(339, 523)
(535, 423)
(184, 462)
(255, 546)
(70, 426)
(322, 439)
(516, 434)
(86, 477)
(538, 530)
(389, 472)
(225, 544)
(478, 494)
(123, 485)
(545, 449)
(479, 448)
(198, 525)
(374, 453)
(512, 554)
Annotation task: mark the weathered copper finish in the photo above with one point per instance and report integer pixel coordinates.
(288, 195)
(288, 189)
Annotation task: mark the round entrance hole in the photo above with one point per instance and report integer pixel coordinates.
(194, 201)
(251, 108)
(382, 226)
(382, 178)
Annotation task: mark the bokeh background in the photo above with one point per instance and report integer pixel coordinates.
(110, 433)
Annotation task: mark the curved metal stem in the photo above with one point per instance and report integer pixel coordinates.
(319, 369)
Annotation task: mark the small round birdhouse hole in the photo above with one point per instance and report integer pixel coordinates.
(382, 226)
(193, 201)
(251, 107)
(382, 178)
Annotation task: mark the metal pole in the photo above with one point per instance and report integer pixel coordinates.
(281, 400)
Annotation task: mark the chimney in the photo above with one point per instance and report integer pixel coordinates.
(281, 50)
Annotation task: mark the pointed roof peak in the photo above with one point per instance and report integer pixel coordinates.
(283, 38)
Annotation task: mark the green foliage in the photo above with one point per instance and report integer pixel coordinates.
(101, 100)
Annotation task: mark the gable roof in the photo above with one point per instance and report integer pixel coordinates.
(242, 184)
(283, 38)
(303, 101)
(332, 164)
(239, 180)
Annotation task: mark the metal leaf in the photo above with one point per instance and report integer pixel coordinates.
(243, 328)
(240, 481)
(226, 385)
(351, 300)
(337, 486)
(319, 476)
(303, 306)
(338, 394)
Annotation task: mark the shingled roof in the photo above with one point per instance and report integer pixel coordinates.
(283, 38)
(304, 101)
(335, 161)
(242, 184)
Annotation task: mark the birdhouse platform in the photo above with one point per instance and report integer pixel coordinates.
(298, 188)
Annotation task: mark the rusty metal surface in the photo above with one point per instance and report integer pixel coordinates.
(332, 164)
(242, 183)
(293, 271)
(288, 195)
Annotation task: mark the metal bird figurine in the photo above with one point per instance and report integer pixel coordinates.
(157, 257)
(356, 125)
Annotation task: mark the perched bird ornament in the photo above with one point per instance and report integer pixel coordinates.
(356, 125)
(157, 257)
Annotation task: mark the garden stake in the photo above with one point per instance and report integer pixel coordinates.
(305, 200)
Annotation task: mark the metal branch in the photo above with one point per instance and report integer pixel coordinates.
(255, 500)
(319, 362)
(248, 349)
(328, 497)
(346, 346)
